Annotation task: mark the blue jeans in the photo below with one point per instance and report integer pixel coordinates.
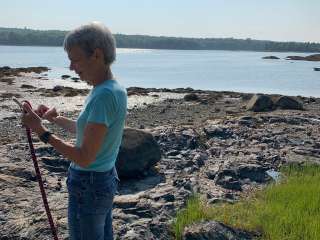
(90, 204)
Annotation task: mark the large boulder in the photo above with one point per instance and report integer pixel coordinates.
(138, 152)
(286, 102)
(260, 103)
(214, 231)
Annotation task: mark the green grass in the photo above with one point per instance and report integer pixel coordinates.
(288, 210)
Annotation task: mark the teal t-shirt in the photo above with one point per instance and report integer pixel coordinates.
(106, 104)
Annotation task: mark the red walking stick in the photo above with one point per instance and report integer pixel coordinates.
(39, 178)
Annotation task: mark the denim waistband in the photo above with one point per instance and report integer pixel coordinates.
(79, 173)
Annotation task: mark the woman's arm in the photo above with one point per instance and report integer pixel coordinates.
(94, 134)
(65, 123)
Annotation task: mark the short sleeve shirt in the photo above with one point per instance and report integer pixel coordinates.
(106, 104)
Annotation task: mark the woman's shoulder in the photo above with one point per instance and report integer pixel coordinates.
(109, 92)
(103, 94)
(114, 88)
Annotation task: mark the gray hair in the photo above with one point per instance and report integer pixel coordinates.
(90, 37)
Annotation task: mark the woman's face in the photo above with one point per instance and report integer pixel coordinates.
(81, 64)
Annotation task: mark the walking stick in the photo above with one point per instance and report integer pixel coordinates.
(38, 174)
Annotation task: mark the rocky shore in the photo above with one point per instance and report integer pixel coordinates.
(218, 144)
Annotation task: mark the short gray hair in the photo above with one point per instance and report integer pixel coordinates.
(90, 37)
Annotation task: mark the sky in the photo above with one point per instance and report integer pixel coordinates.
(278, 20)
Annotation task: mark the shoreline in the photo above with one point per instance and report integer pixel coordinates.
(62, 77)
(204, 136)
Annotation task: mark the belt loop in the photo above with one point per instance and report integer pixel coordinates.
(91, 177)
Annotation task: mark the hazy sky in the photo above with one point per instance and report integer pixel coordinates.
(279, 20)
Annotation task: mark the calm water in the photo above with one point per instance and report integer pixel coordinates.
(215, 70)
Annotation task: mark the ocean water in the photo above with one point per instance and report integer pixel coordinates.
(241, 71)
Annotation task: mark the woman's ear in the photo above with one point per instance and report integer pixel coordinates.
(98, 54)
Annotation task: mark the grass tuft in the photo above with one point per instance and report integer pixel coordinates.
(288, 210)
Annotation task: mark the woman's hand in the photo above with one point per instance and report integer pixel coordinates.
(50, 115)
(31, 119)
(46, 113)
(42, 109)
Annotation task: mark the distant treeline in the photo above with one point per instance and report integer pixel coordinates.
(29, 37)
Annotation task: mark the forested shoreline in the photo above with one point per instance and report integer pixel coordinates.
(30, 37)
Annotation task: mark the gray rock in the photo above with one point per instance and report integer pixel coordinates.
(228, 178)
(191, 97)
(254, 172)
(271, 57)
(247, 121)
(177, 139)
(57, 88)
(54, 164)
(260, 103)
(217, 131)
(214, 151)
(211, 173)
(65, 76)
(126, 201)
(228, 182)
(163, 194)
(232, 177)
(138, 153)
(214, 231)
(286, 102)
(132, 235)
(200, 159)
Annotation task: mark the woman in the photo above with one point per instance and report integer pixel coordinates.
(92, 178)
